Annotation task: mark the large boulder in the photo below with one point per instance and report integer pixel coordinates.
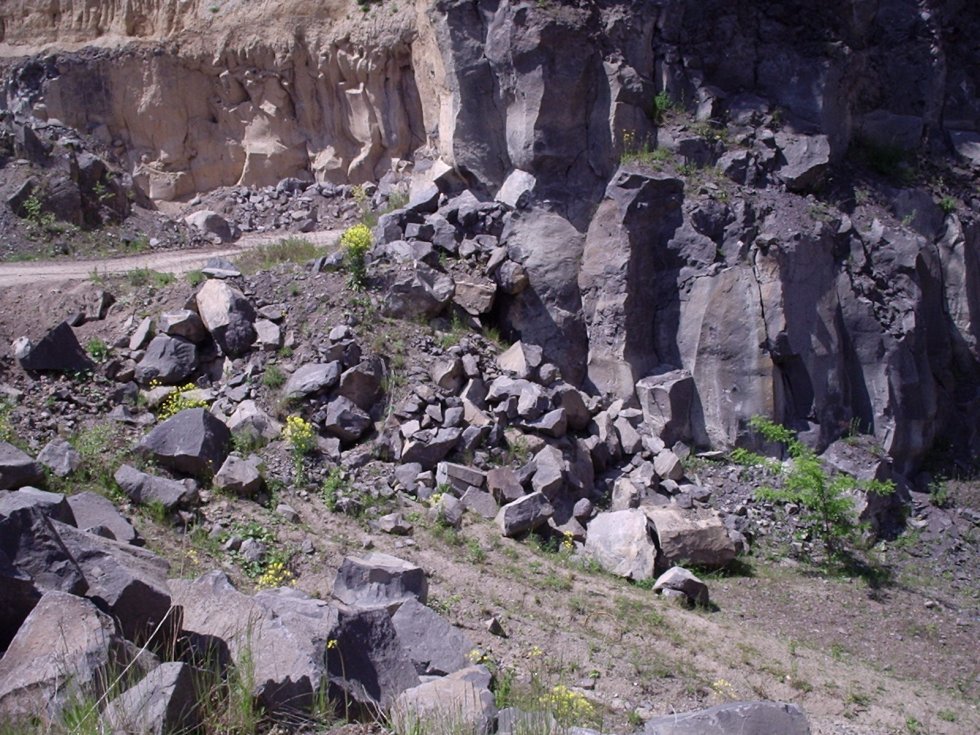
(17, 469)
(423, 292)
(209, 222)
(192, 441)
(369, 664)
(806, 160)
(284, 662)
(228, 315)
(146, 489)
(312, 378)
(447, 705)
(343, 419)
(524, 514)
(57, 351)
(435, 647)
(66, 650)
(621, 542)
(168, 360)
(127, 582)
(733, 718)
(379, 580)
(693, 536)
(240, 476)
(59, 457)
(33, 557)
(428, 446)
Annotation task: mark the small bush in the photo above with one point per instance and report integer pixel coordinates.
(97, 349)
(145, 277)
(179, 401)
(356, 241)
(273, 377)
(826, 507)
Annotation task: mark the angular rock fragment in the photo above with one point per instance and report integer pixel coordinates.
(60, 457)
(524, 514)
(145, 489)
(680, 580)
(192, 441)
(379, 580)
(693, 536)
(17, 469)
(94, 512)
(66, 650)
(127, 582)
(622, 543)
(312, 378)
(165, 701)
(240, 476)
(168, 360)
(743, 718)
(435, 647)
(57, 351)
(228, 316)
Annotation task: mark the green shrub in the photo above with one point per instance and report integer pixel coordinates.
(97, 349)
(355, 242)
(826, 507)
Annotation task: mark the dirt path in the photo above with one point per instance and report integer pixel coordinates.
(171, 261)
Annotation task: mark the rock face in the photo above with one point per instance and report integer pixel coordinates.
(606, 268)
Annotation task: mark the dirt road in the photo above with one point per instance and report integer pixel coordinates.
(171, 261)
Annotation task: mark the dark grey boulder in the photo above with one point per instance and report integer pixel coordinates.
(435, 647)
(379, 580)
(193, 442)
(422, 292)
(127, 582)
(163, 702)
(145, 489)
(524, 514)
(683, 582)
(57, 351)
(54, 505)
(344, 420)
(312, 378)
(92, 510)
(17, 469)
(428, 447)
(168, 360)
(241, 476)
(184, 323)
(18, 596)
(361, 384)
(734, 718)
(228, 315)
(60, 457)
(369, 664)
(32, 545)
